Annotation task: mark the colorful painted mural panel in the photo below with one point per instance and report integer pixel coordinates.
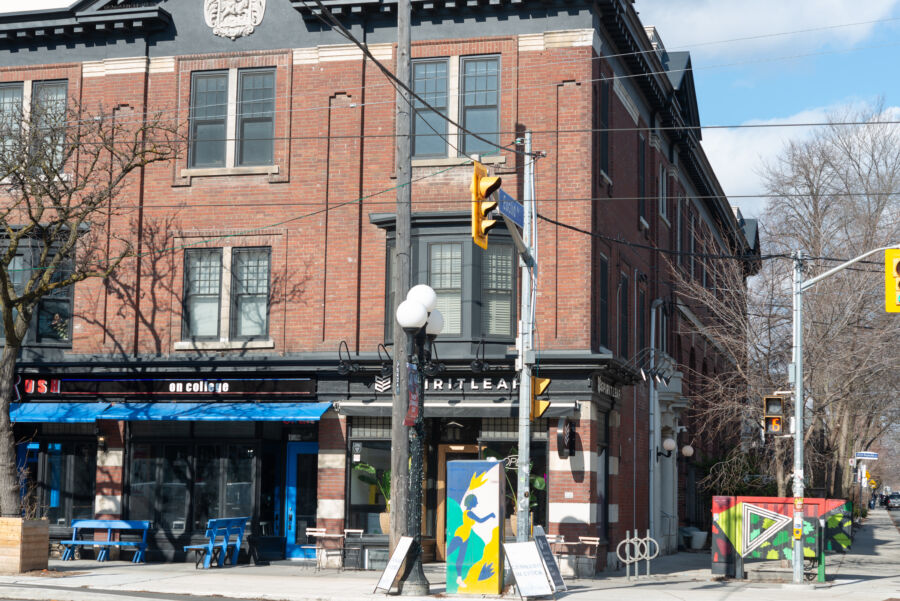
(761, 528)
(474, 527)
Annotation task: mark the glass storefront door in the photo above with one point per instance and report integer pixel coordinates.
(300, 497)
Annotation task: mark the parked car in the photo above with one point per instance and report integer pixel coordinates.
(894, 501)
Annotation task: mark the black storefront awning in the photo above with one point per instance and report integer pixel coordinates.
(453, 408)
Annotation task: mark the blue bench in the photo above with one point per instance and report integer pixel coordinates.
(222, 534)
(109, 526)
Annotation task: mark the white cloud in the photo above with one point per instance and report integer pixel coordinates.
(738, 155)
(689, 24)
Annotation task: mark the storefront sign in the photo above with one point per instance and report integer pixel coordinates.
(528, 569)
(540, 540)
(393, 566)
(164, 388)
(565, 438)
(412, 411)
(471, 384)
(608, 389)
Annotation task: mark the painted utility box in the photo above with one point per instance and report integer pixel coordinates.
(475, 501)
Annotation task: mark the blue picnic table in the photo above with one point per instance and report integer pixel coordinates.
(79, 526)
(222, 534)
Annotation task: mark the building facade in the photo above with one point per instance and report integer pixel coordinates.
(239, 364)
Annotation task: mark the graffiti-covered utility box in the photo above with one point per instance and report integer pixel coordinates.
(475, 502)
(760, 528)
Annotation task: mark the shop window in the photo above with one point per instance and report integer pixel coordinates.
(445, 276)
(232, 118)
(366, 499)
(508, 451)
(66, 481)
(166, 481)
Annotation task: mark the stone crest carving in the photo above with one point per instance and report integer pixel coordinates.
(233, 18)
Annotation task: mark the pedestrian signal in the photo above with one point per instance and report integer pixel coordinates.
(773, 414)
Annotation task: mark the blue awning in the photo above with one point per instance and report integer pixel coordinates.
(217, 412)
(74, 413)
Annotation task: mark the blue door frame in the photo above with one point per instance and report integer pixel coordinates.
(298, 515)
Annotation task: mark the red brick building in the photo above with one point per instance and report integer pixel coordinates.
(234, 367)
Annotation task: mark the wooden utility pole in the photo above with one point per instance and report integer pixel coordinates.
(401, 283)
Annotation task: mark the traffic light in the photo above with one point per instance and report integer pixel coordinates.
(482, 188)
(773, 414)
(538, 387)
(892, 280)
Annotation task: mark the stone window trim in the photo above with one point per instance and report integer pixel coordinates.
(282, 64)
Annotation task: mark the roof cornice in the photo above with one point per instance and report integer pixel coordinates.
(89, 19)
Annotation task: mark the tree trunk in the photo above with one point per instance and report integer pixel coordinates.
(10, 501)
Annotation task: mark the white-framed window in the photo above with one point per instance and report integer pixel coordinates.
(226, 294)
(232, 118)
(40, 104)
(467, 90)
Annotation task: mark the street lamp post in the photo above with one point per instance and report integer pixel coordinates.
(422, 322)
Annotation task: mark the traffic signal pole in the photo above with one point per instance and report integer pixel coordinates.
(800, 286)
(524, 343)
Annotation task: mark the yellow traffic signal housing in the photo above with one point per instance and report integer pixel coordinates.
(773, 414)
(538, 387)
(892, 280)
(482, 188)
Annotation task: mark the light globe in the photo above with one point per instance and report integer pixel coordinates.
(687, 450)
(423, 293)
(411, 315)
(435, 323)
(669, 444)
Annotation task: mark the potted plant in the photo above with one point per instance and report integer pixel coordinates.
(535, 483)
(381, 480)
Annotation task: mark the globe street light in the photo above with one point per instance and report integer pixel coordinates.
(422, 322)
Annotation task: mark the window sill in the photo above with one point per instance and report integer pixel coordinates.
(222, 345)
(453, 161)
(665, 220)
(642, 224)
(605, 177)
(223, 171)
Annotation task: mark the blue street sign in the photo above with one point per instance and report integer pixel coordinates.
(866, 455)
(512, 210)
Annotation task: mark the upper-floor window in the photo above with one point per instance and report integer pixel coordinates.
(52, 320)
(232, 118)
(603, 301)
(43, 105)
(472, 99)
(623, 315)
(642, 177)
(662, 190)
(475, 288)
(603, 124)
(226, 290)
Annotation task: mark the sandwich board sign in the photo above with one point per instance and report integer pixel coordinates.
(393, 565)
(556, 579)
(528, 569)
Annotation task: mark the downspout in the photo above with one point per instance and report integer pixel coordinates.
(654, 419)
(140, 212)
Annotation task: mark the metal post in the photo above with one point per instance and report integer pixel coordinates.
(524, 343)
(415, 582)
(401, 277)
(798, 413)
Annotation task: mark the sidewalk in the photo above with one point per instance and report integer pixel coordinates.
(870, 571)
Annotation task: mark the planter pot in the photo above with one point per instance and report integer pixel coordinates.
(384, 520)
(24, 544)
(698, 539)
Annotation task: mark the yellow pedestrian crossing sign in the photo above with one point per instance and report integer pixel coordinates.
(873, 484)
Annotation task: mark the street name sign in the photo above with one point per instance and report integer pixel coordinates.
(866, 455)
(512, 210)
(528, 569)
(393, 565)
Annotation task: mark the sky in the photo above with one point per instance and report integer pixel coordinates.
(847, 56)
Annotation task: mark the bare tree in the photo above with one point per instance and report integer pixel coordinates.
(65, 177)
(834, 196)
